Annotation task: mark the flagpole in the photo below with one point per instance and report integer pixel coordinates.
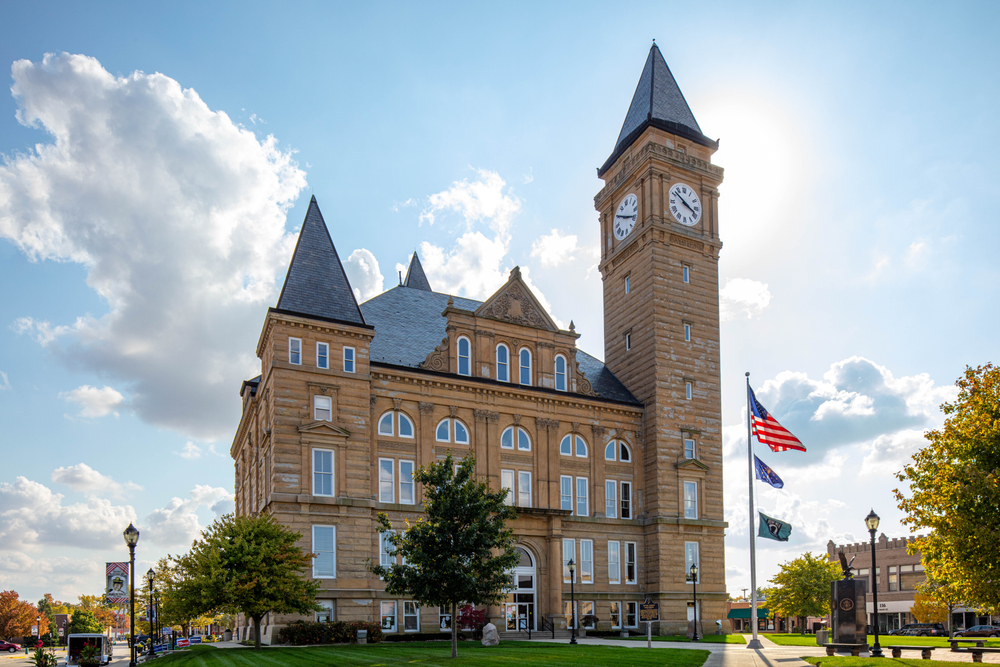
(754, 642)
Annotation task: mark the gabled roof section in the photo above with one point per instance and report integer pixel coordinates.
(316, 284)
(515, 303)
(658, 102)
(415, 276)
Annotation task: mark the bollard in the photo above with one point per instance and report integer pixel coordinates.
(362, 636)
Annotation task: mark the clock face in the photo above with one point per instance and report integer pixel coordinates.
(684, 204)
(625, 216)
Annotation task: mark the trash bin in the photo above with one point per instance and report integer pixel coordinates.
(362, 636)
(227, 636)
(822, 637)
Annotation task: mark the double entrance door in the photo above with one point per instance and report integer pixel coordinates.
(519, 610)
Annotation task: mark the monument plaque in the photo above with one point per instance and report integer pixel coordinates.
(847, 608)
(649, 611)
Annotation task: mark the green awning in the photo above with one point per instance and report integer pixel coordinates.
(745, 613)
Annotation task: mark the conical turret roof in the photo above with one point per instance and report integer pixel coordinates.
(657, 101)
(415, 276)
(316, 284)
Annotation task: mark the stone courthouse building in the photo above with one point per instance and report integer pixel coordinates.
(615, 464)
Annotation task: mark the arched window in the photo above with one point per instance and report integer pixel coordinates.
(525, 363)
(566, 446)
(464, 356)
(503, 363)
(560, 373)
(403, 424)
(581, 447)
(452, 430)
(508, 436)
(624, 453)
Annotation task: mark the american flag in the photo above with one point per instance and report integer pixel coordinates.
(768, 430)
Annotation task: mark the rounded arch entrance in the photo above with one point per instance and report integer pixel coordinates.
(521, 605)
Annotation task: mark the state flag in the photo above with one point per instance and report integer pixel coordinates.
(765, 474)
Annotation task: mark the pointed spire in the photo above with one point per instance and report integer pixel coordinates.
(415, 276)
(657, 101)
(316, 284)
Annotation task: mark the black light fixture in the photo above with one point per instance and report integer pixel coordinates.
(131, 536)
(872, 522)
(694, 585)
(150, 576)
(572, 601)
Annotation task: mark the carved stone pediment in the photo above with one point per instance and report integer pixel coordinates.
(515, 303)
(693, 464)
(324, 428)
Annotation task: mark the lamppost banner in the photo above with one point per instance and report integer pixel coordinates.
(116, 586)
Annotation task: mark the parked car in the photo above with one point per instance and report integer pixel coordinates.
(980, 631)
(9, 646)
(921, 630)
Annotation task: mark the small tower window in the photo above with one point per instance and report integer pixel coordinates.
(295, 351)
(688, 390)
(628, 284)
(560, 373)
(628, 341)
(686, 270)
(322, 355)
(348, 359)
(687, 332)
(503, 363)
(464, 353)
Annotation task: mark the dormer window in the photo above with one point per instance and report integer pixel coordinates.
(464, 356)
(560, 373)
(524, 357)
(503, 363)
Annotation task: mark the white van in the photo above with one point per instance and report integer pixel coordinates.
(75, 644)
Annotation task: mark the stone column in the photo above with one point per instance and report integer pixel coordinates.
(554, 606)
(548, 469)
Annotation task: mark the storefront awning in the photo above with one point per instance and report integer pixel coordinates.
(745, 613)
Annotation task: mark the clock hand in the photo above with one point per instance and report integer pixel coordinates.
(686, 204)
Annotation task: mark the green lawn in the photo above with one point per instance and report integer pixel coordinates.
(842, 661)
(708, 639)
(783, 639)
(883, 640)
(435, 653)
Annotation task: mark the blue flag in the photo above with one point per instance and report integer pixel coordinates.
(765, 474)
(773, 528)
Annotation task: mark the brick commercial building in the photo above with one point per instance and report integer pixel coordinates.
(615, 464)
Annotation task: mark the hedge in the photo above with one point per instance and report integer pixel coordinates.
(301, 633)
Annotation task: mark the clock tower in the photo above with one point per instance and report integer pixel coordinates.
(659, 261)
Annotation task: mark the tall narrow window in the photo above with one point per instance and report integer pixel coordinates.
(507, 483)
(690, 500)
(686, 270)
(322, 355)
(325, 547)
(387, 610)
(560, 373)
(691, 558)
(406, 482)
(464, 356)
(322, 408)
(586, 561)
(611, 498)
(566, 492)
(630, 562)
(322, 472)
(628, 284)
(687, 331)
(689, 448)
(628, 341)
(386, 552)
(523, 489)
(893, 581)
(569, 552)
(630, 614)
(503, 363)
(614, 564)
(411, 616)
(524, 357)
(616, 615)
(688, 390)
(348, 359)
(582, 506)
(295, 350)
(626, 500)
(385, 480)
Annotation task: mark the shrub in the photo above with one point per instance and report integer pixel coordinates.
(422, 637)
(301, 633)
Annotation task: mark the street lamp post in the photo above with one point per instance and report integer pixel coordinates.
(572, 601)
(149, 577)
(872, 522)
(694, 587)
(38, 624)
(131, 536)
(156, 614)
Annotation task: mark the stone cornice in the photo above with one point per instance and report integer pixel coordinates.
(652, 149)
(274, 317)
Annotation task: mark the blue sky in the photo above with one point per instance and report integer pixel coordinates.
(149, 195)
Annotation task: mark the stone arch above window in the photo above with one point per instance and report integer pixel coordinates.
(450, 429)
(394, 423)
(573, 444)
(512, 433)
(618, 450)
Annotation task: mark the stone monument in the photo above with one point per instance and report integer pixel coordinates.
(490, 635)
(847, 608)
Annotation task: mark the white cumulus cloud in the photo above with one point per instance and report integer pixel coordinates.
(178, 524)
(554, 249)
(363, 272)
(177, 214)
(4, 382)
(94, 402)
(742, 297)
(190, 452)
(83, 478)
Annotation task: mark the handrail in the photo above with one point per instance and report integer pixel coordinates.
(523, 625)
(549, 625)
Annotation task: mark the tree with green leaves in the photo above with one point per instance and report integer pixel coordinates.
(84, 621)
(249, 565)
(954, 490)
(460, 551)
(941, 595)
(802, 587)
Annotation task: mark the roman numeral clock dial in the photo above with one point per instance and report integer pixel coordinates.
(684, 204)
(625, 216)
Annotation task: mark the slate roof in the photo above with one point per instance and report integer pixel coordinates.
(415, 276)
(657, 101)
(409, 325)
(316, 284)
